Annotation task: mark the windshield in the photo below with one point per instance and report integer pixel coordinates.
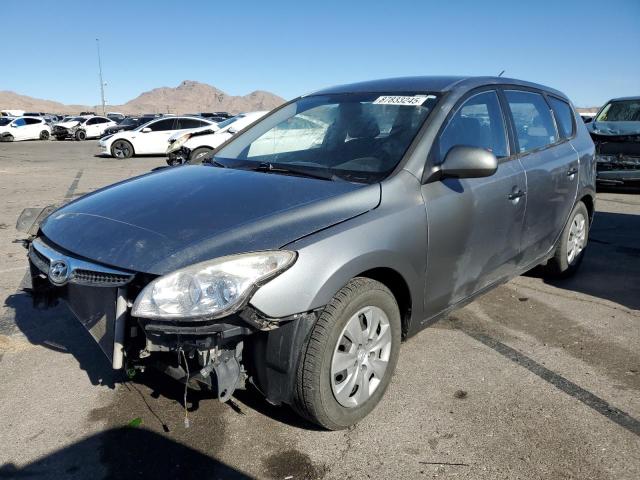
(5, 121)
(620, 111)
(76, 119)
(129, 121)
(357, 137)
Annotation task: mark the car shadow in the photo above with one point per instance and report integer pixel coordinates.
(57, 329)
(610, 267)
(125, 452)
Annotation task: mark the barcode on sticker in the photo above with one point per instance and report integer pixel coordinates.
(402, 100)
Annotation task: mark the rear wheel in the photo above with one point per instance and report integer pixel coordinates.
(198, 155)
(44, 135)
(570, 251)
(81, 135)
(350, 356)
(121, 149)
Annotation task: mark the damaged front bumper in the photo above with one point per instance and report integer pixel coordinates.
(213, 354)
(618, 168)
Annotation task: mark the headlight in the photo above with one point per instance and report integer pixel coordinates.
(210, 289)
(178, 143)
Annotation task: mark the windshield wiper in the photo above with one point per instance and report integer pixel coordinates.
(270, 168)
(213, 162)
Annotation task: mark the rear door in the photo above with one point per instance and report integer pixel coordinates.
(551, 167)
(33, 128)
(475, 224)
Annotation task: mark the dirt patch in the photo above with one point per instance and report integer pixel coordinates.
(292, 464)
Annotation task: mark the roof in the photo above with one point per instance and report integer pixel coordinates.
(433, 84)
(622, 99)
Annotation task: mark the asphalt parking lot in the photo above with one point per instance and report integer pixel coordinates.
(533, 380)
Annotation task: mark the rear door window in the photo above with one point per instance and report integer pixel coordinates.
(184, 123)
(564, 116)
(532, 119)
(477, 123)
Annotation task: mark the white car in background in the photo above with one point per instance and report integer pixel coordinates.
(23, 128)
(150, 138)
(82, 127)
(193, 146)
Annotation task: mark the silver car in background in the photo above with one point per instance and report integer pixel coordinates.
(311, 243)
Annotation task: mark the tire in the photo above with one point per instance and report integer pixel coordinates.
(572, 245)
(6, 138)
(81, 135)
(196, 156)
(319, 376)
(44, 135)
(122, 149)
(60, 138)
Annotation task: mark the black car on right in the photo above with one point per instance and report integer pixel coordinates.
(615, 131)
(128, 123)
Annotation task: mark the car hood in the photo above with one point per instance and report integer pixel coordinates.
(180, 216)
(194, 131)
(68, 124)
(212, 140)
(614, 128)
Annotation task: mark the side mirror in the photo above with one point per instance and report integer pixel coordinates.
(468, 162)
(146, 130)
(13, 125)
(232, 130)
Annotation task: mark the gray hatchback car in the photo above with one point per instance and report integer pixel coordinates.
(308, 246)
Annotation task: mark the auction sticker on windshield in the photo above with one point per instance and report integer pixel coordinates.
(402, 100)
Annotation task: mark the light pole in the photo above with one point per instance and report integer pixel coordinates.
(100, 73)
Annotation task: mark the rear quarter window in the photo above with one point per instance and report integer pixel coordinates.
(564, 117)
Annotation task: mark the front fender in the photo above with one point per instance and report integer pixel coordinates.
(393, 236)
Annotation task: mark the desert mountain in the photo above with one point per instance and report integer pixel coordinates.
(188, 97)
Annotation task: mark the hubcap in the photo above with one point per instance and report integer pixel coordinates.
(361, 357)
(577, 236)
(121, 150)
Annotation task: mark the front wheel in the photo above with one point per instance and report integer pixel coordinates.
(121, 149)
(81, 135)
(44, 135)
(573, 241)
(350, 356)
(198, 155)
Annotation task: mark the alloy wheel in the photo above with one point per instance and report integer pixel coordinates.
(121, 150)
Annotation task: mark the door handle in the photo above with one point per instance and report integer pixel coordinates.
(516, 195)
(572, 171)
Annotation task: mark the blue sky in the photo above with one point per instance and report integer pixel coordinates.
(588, 49)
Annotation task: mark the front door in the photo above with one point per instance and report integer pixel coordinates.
(551, 166)
(157, 140)
(475, 224)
